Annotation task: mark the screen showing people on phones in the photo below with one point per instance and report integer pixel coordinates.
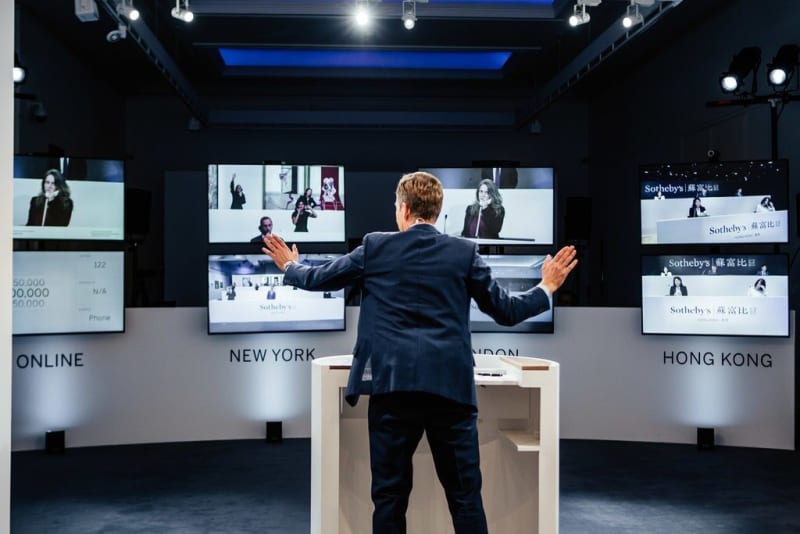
(719, 294)
(301, 203)
(68, 292)
(715, 203)
(247, 294)
(497, 205)
(517, 275)
(68, 198)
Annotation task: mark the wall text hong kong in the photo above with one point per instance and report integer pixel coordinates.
(723, 359)
(273, 355)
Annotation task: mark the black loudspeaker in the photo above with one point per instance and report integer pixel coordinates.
(54, 441)
(137, 212)
(578, 220)
(274, 431)
(705, 438)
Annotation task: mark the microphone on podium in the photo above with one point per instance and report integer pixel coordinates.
(445, 224)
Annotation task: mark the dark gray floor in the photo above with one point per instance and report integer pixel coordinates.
(250, 486)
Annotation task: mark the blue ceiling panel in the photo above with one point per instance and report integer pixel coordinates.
(363, 59)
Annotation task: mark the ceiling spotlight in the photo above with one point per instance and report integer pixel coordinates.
(126, 9)
(19, 71)
(409, 17)
(632, 16)
(579, 15)
(783, 66)
(181, 11)
(361, 14)
(743, 63)
(117, 35)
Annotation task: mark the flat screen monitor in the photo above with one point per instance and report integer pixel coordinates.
(715, 203)
(720, 295)
(301, 203)
(516, 274)
(69, 198)
(246, 294)
(498, 206)
(68, 292)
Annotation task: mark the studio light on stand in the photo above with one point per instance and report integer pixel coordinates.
(746, 61)
(781, 70)
(181, 11)
(409, 17)
(783, 67)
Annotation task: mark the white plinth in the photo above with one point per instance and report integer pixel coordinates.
(518, 433)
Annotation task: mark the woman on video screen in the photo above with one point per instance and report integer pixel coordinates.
(677, 289)
(308, 198)
(697, 209)
(484, 217)
(237, 193)
(765, 205)
(759, 289)
(53, 205)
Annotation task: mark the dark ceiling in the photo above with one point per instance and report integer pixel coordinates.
(164, 55)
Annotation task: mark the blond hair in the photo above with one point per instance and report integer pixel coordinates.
(422, 193)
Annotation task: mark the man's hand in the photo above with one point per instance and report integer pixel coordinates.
(556, 269)
(276, 248)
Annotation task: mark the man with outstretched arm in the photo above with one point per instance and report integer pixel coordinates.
(413, 353)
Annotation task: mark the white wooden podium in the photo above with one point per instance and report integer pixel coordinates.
(518, 417)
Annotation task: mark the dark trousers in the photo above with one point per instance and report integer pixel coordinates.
(396, 424)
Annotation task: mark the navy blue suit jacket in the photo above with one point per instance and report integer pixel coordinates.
(413, 327)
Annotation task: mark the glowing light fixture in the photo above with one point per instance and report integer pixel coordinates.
(632, 16)
(19, 71)
(181, 11)
(747, 60)
(126, 9)
(783, 66)
(409, 17)
(362, 14)
(579, 15)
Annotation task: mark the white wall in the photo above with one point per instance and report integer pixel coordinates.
(165, 379)
(6, 197)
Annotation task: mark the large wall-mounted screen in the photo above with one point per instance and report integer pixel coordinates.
(69, 198)
(246, 294)
(517, 274)
(715, 203)
(720, 294)
(301, 203)
(502, 206)
(68, 292)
